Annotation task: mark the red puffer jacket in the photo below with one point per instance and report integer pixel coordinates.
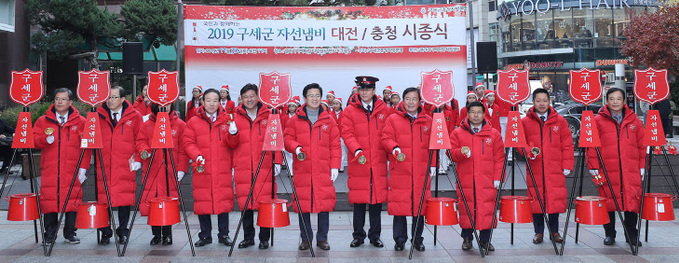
(212, 191)
(622, 149)
(362, 130)
(142, 107)
(156, 185)
(247, 145)
(406, 178)
(59, 160)
(553, 137)
(478, 172)
(493, 118)
(119, 147)
(191, 109)
(321, 142)
(450, 112)
(230, 107)
(503, 107)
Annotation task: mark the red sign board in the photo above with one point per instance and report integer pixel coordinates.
(654, 134)
(92, 133)
(514, 136)
(275, 89)
(23, 135)
(162, 134)
(437, 87)
(273, 136)
(585, 85)
(93, 87)
(440, 138)
(513, 86)
(651, 85)
(163, 87)
(589, 134)
(26, 87)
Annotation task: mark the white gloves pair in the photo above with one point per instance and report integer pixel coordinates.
(333, 174)
(277, 169)
(642, 171)
(135, 166)
(50, 139)
(232, 128)
(200, 159)
(496, 183)
(298, 150)
(432, 171)
(566, 172)
(180, 175)
(82, 175)
(468, 154)
(396, 151)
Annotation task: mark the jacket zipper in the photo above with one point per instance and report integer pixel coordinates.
(371, 169)
(311, 178)
(544, 186)
(412, 177)
(622, 194)
(212, 195)
(59, 170)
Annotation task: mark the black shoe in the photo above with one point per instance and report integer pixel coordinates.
(399, 246)
(226, 241)
(488, 246)
(105, 240)
(48, 240)
(168, 241)
(467, 244)
(609, 241)
(156, 240)
(377, 243)
(419, 246)
(73, 240)
(263, 244)
(3, 170)
(204, 241)
(122, 239)
(304, 245)
(246, 243)
(356, 242)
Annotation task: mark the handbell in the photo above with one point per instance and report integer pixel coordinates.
(465, 150)
(401, 157)
(145, 155)
(49, 131)
(301, 156)
(362, 160)
(535, 151)
(200, 168)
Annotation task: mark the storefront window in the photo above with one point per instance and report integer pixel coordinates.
(563, 29)
(621, 19)
(544, 31)
(582, 27)
(528, 32)
(603, 28)
(515, 33)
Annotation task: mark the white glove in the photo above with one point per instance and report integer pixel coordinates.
(145, 117)
(566, 172)
(496, 183)
(357, 152)
(232, 128)
(50, 139)
(333, 174)
(277, 169)
(396, 151)
(642, 171)
(298, 150)
(82, 175)
(136, 166)
(432, 171)
(469, 154)
(200, 159)
(593, 172)
(180, 175)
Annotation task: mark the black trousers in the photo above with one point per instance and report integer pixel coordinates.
(484, 236)
(51, 228)
(401, 229)
(249, 227)
(123, 218)
(206, 225)
(162, 231)
(375, 211)
(323, 227)
(6, 154)
(539, 223)
(630, 221)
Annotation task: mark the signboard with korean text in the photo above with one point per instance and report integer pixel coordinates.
(654, 134)
(515, 137)
(23, 134)
(163, 87)
(274, 89)
(585, 85)
(440, 138)
(437, 87)
(273, 136)
(26, 87)
(650, 85)
(91, 138)
(162, 132)
(513, 86)
(93, 87)
(232, 45)
(589, 134)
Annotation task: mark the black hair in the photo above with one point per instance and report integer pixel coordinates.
(121, 91)
(249, 87)
(538, 91)
(476, 104)
(411, 89)
(211, 91)
(612, 90)
(311, 86)
(60, 90)
(155, 108)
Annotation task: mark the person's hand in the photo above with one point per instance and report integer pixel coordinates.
(359, 157)
(333, 174)
(593, 172)
(432, 171)
(82, 175)
(145, 118)
(2, 136)
(496, 183)
(276, 169)
(566, 172)
(232, 128)
(642, 171)
(136, 166)
(180, 175)
(50, 139)
(200, 159)
(298, 150)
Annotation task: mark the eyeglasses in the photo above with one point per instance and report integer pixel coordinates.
(60, 99)
(113, 98)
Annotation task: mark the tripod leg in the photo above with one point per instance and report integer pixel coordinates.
(419, 210)
(247, 203)
(571, 197)
(511, 234)
(31, 167)
(68, 196)
(299, 209)
(542, 202)
(97, 153)
(497, 197)
(644, 184)
(138, 201)
(273, 185)
(181, 199)
(4, 181)
(35, 223)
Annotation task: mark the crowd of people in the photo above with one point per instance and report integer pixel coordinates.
(380, 141)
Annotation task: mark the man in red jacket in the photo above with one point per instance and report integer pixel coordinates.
(362, 126)
(548, 131)
(120, 124)
(57, 134)
(479, 153)
(143, 104)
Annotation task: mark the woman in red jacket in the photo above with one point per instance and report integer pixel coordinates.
(492, 110)
(142, 104)
(293, 104)
(314, 132)
(624, 155)
(406, 177)
(548, 131)
(479, 153)
(205, 143)
(156, 183)
(471, 97)
(228, 106)
(195, 102)
(337, 109)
